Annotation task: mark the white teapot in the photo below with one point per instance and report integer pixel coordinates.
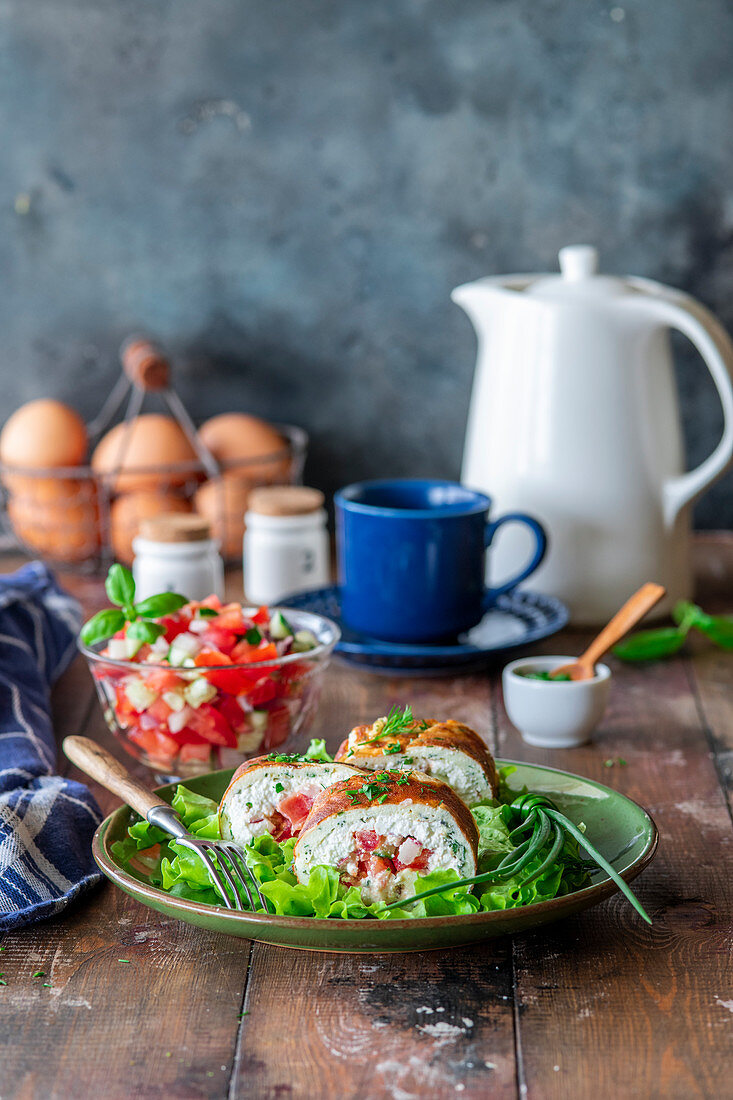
(574, 419)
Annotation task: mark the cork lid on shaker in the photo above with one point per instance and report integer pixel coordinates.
(285, 500)
(175, 527)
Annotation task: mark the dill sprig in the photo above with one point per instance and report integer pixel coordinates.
(396, 722)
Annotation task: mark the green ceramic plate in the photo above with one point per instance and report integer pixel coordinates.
(621, 830)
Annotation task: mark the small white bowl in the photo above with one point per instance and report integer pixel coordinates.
(557, 715)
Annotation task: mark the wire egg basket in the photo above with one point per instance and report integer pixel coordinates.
(85, 518)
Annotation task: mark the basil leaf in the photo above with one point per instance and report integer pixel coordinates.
(206, 613)
(102, 626)
(165, 603)
(718, 628)
(651, 645)
(253, 636)
(120, 586)
(145, 631)
(687, 614)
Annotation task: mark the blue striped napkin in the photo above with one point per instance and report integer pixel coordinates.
(46, 822)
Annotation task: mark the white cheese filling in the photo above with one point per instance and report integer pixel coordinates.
(248, 808)
(333, 842)
(461, 772)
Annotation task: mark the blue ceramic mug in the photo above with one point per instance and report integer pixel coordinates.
(412, 557)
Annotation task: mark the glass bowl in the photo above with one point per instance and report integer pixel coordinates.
(182, 722)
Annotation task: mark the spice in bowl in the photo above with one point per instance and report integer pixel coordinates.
(550, 712)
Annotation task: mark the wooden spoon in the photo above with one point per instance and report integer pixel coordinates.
(584, 668)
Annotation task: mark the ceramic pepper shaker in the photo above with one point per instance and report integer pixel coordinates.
(285, 542)
(176, 553)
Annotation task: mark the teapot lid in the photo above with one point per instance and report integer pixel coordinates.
(578, 277)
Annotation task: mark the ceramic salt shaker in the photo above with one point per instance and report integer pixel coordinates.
(285, 542)
(176, 553)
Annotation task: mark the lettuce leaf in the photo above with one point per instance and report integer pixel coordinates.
(317, 751)
(150, 854)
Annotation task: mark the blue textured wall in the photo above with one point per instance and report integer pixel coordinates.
(284, 193)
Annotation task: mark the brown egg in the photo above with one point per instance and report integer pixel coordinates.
(63, 529)
(223, 502)
(41, 434)
(60, 491)
(127, 512)
(154, 441)
(234, 438)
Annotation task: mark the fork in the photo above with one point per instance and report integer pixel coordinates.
(224, 861)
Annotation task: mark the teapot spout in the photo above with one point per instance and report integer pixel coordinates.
(481, 298)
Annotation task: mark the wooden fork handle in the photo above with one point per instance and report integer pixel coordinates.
(100, 765)
(629, 615)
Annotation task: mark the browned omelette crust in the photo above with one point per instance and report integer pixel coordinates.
(448, 734)
(398, 787)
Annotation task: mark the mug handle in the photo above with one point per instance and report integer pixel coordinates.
(539, 551)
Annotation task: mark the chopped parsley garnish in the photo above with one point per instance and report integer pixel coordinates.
(40, 974)
(279, 788)
(248, 805)
(390, 750)
(285, 757)
(206, 613)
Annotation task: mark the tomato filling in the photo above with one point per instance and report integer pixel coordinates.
(373, 855)
(287, 820)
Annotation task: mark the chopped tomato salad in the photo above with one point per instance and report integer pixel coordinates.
(210, 689)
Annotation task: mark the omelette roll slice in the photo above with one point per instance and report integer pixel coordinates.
(274, 794)
(383, 830)
(449, 751)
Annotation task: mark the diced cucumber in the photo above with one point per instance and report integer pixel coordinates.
(250, 741)
(258, 719)
(179, 719)
(133, 645)
(280, 628)
(199, 691)
(304, 640)
(174, 699)
(183, 648)
(117, 649)
(160, 647)
(139, 694)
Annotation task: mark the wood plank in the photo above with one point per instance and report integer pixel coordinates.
(161, 1025)
(606, 1005)
(712, 674)
(435, 1024)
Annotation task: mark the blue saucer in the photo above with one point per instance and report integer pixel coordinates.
(518, 619)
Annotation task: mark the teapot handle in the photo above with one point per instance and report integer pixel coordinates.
(678, 310)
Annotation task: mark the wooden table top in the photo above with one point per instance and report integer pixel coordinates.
(599, 1005)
